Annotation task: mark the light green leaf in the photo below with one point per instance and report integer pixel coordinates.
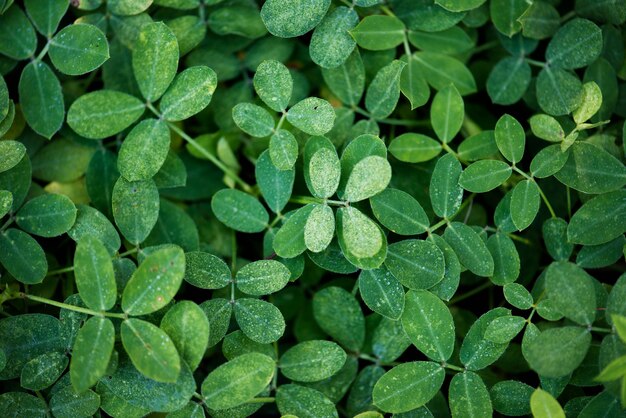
(446, 194)
(360, 147)
(508, 80)
(259, 320)
(543, 405)
(331, 44)
(414, 148)
(470, 248)
(22, 256)
(283, 150)
(322, 168)
(518, 296)
(440, 70)
(506, 260)
(42, 371)
(558, 92)
(505, 15)
(144, 150)
(428, 324)
(90, 221)
(599, 220)
(382, 292)
(408, 386)
(262, 277)
(206, 271)
(155, 282)
(190, 92)
(399, 212)
(78, 49)
(67, 404)
(41, 99)
(369, 177)
(151, 350)
(477, 352)
(18, 39)
(12, 153)
(413, 83)
(525, 203)
(253, 120)
(6, 201)
(361, 240)
(48, 215)
(447, 113)
(291, 18)
(312, 361)
(577, 44)
(91, 353)
(379, 32)
(46, 15)
(485, 175)
(188, 327)
(347, 81)
(383, 92)
(155, 59)
(276, 185)
(546, 127)
(571, 292)
(103, 113)
(557, 352)
(274, 84)
(338, 313)
(468, 396)
(239, 211)
(591, 102)
(295, 399)
(415, 263)
(319, 229)
(128, 7)
(135, 208)
(503, 329)
(510, 138)
(93, 271)
(549, 161)
(289, 241)
(312, 115)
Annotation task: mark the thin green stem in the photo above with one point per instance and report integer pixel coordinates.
(60, 271)
(604, 330)
(73, 307)
(129, 252)
(449, 150)
(407, 47)
(471, 293)
(485, 46)
(437, 225)
(569, 203)
(7, 224)
(198, 396)
(280, 121)
(387, 11)
(522, 173)
(535, 62)
(453, 367)
(44, 51)
(390, 121)
(277, 219)
(546, 201)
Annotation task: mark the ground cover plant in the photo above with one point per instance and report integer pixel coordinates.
(312, 208)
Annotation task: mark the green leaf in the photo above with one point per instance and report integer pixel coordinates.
(242, 20)
(253, 120)
(359, 148)
(550, 160)
(413, 83)
(571, 291)
(93, 271)
(78, 49)
(188, 327)
(22, 256)
(577, 44)
(415, 263)
(289, 241)
(591, 102)
(90, 221)
(155, 282)
(505, 15)
(382, 292)
(276, 185)
(319, 229)
(262, 277)
(428, 324)
(546, 127)
(525, 203)
(42, 371)
(206, 271)
(312, 115)
(151, 350)
(190, 92)
(347, 81)
(408, 386)
(338, 313)
(510, 397)
(47, 15)
(288, 19)
(91, 353)
(383, 92)
(510, 138)
(485, 175)
(295, 399)
(447, 113)
(331, 44)
(468, 396)
(236, 343)
(17, 180)
(322, 167)
(399, 212)
(477, 352)
(128, 7)
(48, 215)
(541, 20)
(103, 113)
(446, 194)
(18, 39)
(379, 32)
(503, 329)
(518, 296)
(67, 404)
(543, 405)
(283, 149)
(361, 239)
(414, 148)
(613, 371)
(590, 169)
(135, 208)
(369, 177)
(432, 64)
(144, 150)
(41, 99)
(219, 312)
(6, 201)
(508, 80)
(259, 320)
(155, 59)
(556, 352)
(558, 92)
(470, 248)
(15, 404)
(274, 84)
(239, 211)
(311, 361)
(449, 41)
(12, 153)
(506, 259)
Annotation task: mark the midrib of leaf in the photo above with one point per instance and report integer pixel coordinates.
(348, 82)
(232, 383)
(86, 51)
(42, 98)
(467, 393)
(192, 93)
(401, 392)
(446, 124)
(489, 174)
(443, 74)
(382, 290)
(98, 282)
(411, 263)
(386, 94)
(91, 359)
(569, 293)
(564, 51)
(147, 348)
(591, 224)
(433, 336)
(509, 78)
(90, 117)
(555, 87)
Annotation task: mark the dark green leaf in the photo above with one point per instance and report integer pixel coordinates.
(46, 15)
(239, 210)
(399, 212)
(379, 32)
(509, 80)
(48, 215)
(253, 120)
(485, 175)
(22, 256)
(135, 208)
(506, 259)
(288, 19)
(41, 99)
(469, 396)
(548, 161)
(525, 203)
(510, 138)
(67, 404)
(577, 44)
(432, 64)
(477, 352)
(558, 91)
(78, 49)
(91, 353)
(311, 361)
(505, 15)
(470, 248)
(518, 296)
(383, 92)
(557, 352)
(259, 320)
(415, 263)
(289, 241)
(382, 292)
(295, 399)
(188, 327)
(347, 81)
(17, 404)
(94, 274)
(446, 195)
(18, 39)
(338, 313)
(42, 371)
(571, 291)
(447, 113)
(262, 277)
(90, 221)
(503, 329)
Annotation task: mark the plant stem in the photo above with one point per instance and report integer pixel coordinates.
(535, 62)
(129, 252)
(305, 200)
(60, 271)
(546, 201)
(453, 367)
(73, 307)
(44, 51)
(605, 330)
(7, 224)
(471, 293)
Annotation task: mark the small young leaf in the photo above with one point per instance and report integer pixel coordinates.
(319, 229)
(276, 185)
(546, 127)
(447, 113)
(94, 274)
(477, 352)
(446, 194)
(322, 167)
(361, 240)
(382, 292)
(253, 120)
(518, 296)
(485, 175)
(288, 19)
(91, 353)
(78, 49)
(591, 102)
(503, 329)
(274, 84)
(369, 177)
(312, 361)
(283, 150)
(144, 150)
(399, 212)
(190, 92)
(312, 115)
(379, 32)
(188, 327)
(543, 405)
(259, 320)
(48, 215)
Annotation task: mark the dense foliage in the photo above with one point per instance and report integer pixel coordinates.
(312, 208)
